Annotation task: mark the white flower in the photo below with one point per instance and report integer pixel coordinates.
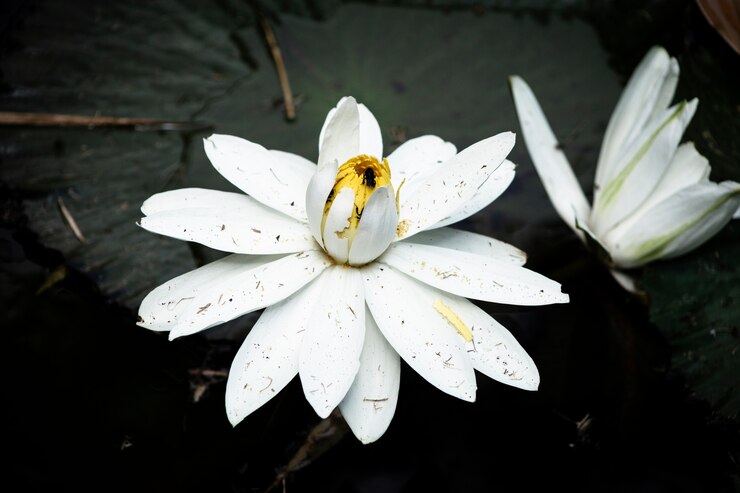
(352, 273)
(652, 198)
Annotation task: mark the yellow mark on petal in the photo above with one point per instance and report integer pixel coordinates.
(398, 196)
(454, 319)
(402, 228)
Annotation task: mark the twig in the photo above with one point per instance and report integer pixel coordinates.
(61, 120)
(280, 66)
(70, 220)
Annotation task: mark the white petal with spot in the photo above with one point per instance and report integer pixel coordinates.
(489, 191)
(163, 307)
(493, 350)
(268, 359)
(465, 241)
(370, 404)
(245, 290)
(416, 159)
(269, 178)
(443, 193)
(330, 354)
(230, 222)
(473, 276)
(404, 312)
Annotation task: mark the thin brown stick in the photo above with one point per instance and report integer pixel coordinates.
(280, 66)
(70, 220)
(71, 120)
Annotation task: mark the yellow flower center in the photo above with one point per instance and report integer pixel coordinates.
(362, 174)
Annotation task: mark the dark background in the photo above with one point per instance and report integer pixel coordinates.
(635, 396)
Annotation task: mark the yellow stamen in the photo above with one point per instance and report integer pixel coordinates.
(363, 174)
(454, 319)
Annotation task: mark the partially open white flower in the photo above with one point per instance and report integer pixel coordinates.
(652, 198)
(354, 263)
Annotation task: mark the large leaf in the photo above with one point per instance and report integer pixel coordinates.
(695, 301)
(420, 72)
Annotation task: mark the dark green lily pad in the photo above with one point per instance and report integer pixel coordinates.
(695, 301)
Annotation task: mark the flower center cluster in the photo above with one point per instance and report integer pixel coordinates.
(362, 174)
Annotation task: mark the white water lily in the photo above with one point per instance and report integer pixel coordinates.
(652, 197)
(355, 267)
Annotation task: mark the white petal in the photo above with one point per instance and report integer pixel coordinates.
(489, 191)
(687, 168)
(161, 308)
(417, 158)
(230, 222)
(473, 276)
(371, 402)
(737, 214)
(465, 241)
(636, 105)
(318, 191)
(377, 227)
(445, 192)
(268, 359)
(330, 354)
(642, 166)
(340, 138)
(276, 182)
(192, 198)
(404, 311)
(549, 160)
(493, 350)
(627, 281)
(336, 241)
(371, 139)
(241, 291)
(678, 224)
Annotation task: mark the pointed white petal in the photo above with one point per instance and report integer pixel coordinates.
(627, 281)
(335, 236)
(737, 214)
(318, 191)
(276, 182)
(678, 224)
(493, 350)
(242, 291)
(371, 139)
(489, 191)
(473, 276)
(162, 308)
(667, 89)
(549, 160)
(687, 168)
(230, 222)
(636, 105)
(642, 167)
(417, 158)
(445, 192)
(404, 311)
(465, 241)
(192, 198)
(371, 402)
(340, 138)
(268, 359)
(330, 354)
(377, 227)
